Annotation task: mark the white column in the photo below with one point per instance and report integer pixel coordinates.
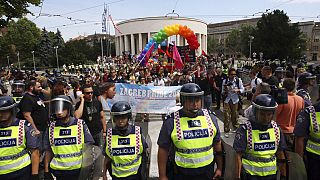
(203, 43)
(199, 48)
(149, 36)
(206, 43)
(133, 49)
(178, 40)
(117, 46)
(140, 42)
(121, 44)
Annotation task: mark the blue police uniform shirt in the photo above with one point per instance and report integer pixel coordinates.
(165, 141)
(88, 139)
(303, 122)
(306, 97)
(31, 143)
(240, 140)
(132, 131)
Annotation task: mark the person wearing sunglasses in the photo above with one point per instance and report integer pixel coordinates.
(231, 89)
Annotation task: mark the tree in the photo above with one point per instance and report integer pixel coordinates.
(245, 32)
(76, 52)
(22, 36)
(14, 9)
(276, 38)
(212, 45)
(58, 39)
(45, 48)
(233, 42)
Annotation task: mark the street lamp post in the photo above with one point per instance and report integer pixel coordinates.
(8, 62)
(56, 47)
(250, 42)
(18, 55)
(34, 63)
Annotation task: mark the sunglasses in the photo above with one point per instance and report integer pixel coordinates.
(233, 74)
(88, 92)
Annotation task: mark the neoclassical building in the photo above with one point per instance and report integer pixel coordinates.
(135, 33)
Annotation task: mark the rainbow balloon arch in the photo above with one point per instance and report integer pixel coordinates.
(170, 30)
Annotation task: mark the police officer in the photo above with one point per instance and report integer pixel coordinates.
(194, 137)
(18, 88)
(307, 127)
(259, 142)
(305, 83)
(280, 73)
(64, 141)
(16, 141)
(125, 148)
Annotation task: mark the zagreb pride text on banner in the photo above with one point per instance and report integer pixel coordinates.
(147, 99)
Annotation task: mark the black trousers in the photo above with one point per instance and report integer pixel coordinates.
(218, 98)
(313, 166)
(23, 174)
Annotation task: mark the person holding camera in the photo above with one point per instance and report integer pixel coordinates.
(231, 89)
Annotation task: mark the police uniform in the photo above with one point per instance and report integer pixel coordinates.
(126, 151)
(259, 147)
(307, 126)
(15, 143)
(193, 140)
(66, 142)
(306, 97)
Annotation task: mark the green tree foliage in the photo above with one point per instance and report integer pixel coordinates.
(245, 32)
(45, 49)
(22, 36)
(14, 9)
(276, 38)
(212, 45)
(233, 42)
(77, 52)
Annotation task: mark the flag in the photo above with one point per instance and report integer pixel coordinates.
(177, 59)
(168, 53)
(160, 51)
(204, 53)
(147, 55)
(114, 25)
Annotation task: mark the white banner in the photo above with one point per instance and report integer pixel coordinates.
(147, 99)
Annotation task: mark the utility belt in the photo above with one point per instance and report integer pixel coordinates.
(13, 157)
(259, 159)
(194, 150)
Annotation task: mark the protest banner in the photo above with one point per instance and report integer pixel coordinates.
(147, 99)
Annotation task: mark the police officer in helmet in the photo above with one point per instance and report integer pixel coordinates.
(192, 135)
(306, 81)
(64, 141)
(18, 88)
(259, 142)
(17, 140)
(125, 147)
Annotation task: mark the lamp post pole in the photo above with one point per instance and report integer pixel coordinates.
(34, 63)
(8, 62)
(250, 42)
(18, 55)
(56, 47)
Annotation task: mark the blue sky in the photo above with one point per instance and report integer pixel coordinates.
(72, 20)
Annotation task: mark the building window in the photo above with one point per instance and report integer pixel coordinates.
(315, 48)
(316, 40)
